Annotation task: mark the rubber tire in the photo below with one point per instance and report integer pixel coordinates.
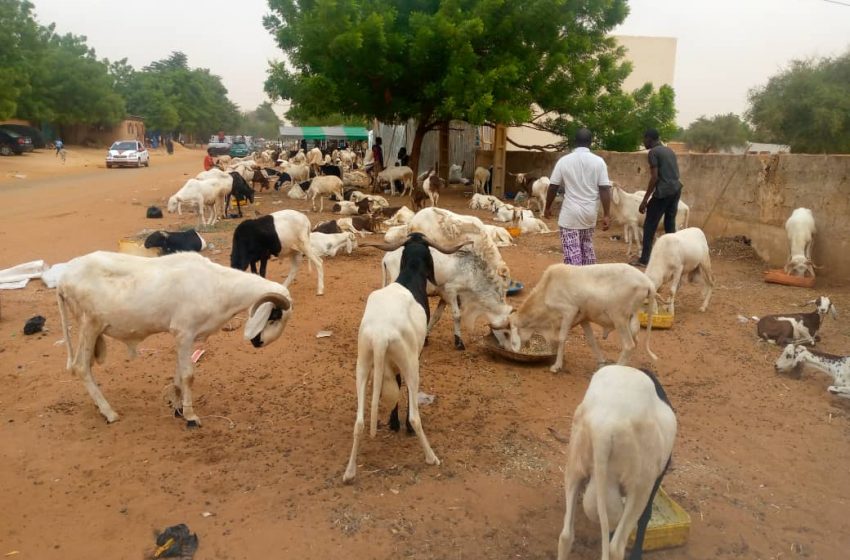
(138, 163)
(5, 150)
(148, 162)
(109, 166)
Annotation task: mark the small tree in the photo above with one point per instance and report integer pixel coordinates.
(437, 60)
(717, 133)
(806, 106)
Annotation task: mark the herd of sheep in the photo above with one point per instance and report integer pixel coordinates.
(622, 432)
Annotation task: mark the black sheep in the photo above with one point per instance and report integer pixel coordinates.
(328, 227)
(241, 191)
(282, 177)
(176, 241)
(254, 240)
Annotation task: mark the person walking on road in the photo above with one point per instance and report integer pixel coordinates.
(582, 177)
(662, 193)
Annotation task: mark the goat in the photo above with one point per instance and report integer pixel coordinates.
(175, 241)
(796, 328)
(321, 186)
(432, 185)
(800, 229)
(241, 191)
(329, 244)
(260, 177)
(130, 298)
(609, 295)
(684, 252)
(793, 358)
(621, 444)
(391, 336)
(479, 180)
(286, 232)
(418, 196)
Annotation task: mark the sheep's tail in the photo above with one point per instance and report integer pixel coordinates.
(687, 217)
(66, 331)
(652, 309)
(379, 353)
(384, 274)
(602, 443)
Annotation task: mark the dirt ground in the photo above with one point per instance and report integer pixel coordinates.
(761, 461)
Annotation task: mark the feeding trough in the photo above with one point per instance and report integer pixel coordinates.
(135, 247)
(515, 287)
(534, 351)
(661, 319)
(669, 525)
(780, 277)
(514, 231)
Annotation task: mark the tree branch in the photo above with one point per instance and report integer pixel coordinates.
(543, 148)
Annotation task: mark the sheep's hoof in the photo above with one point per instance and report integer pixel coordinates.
(111, 417)
(178, 413)
(459, 343)
(193, 424)
(555, 369)
(348, 478)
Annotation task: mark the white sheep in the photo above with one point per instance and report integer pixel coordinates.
(296, 193)
(609, 295)
(539, 191)
(397, 173)
(800, 229)
(396, 234)
(329, 244)
(202, 193)
(323, 186)
(130, 298)
(403, 216)
(345, 208)
(480, 179)
(682, 253)
(620, 447)
(499, 235)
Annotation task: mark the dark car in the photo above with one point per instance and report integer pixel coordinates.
(13, 143)
(35, 135)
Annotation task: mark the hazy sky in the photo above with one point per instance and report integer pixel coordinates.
(725, 47)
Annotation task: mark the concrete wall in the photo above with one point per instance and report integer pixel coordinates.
(128, 129)
(746, 195)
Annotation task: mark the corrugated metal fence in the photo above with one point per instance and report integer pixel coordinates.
(462, 140)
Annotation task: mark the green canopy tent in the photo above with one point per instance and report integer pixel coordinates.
(325, 132)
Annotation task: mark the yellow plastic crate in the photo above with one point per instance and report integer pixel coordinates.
(669, 526)
(234, 202)
(660, 320)
(134, 247)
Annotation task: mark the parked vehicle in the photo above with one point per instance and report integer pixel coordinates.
(128, 153)
(34, 134)
(13, 143)
(219, 147)
(239, 149)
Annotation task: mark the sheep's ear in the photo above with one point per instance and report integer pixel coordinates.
(833, 311)
(257, 322)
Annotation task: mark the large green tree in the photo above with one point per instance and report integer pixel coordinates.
(806, 106)
(262, 122)
(717, 133)
(436, 60)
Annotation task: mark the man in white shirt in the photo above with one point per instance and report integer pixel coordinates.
(583, 179)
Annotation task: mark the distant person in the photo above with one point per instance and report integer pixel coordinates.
(209, 160)
(169, 146)
(403, 157)
(58, 145)
(304, 145)
(583, 179)
(662, 193)
(378, 156)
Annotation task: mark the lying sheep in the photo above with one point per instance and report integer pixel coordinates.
(682, 253)
(129, 298)
(800, 229)
(169, 242)
(620, 447)
(796, 328)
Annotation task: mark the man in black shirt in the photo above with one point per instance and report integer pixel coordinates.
(662, 192)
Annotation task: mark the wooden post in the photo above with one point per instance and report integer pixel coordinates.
(500, 148)
(443, 157)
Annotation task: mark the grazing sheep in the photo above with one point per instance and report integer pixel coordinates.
(800, 228)
(684, 252)
(323, 186)
(479, 180)
(130, 298)
(175, 241)
(620, 446)
(392, 174)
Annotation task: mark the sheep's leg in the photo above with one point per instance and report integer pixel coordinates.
(566, 324)
(83, 359)
(839, 391)
(295, 262)
(186, 374)
(643, 520)
(674, 288)
(572, 484)
(627, 339)
(320, 272)
(362, 377)
(253, 266)
(455, 301)
(707, 283)
(411, 379)
(441, 306)
(591, 341)
(263, 263)
(636, 500)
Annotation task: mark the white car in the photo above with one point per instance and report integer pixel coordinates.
(128, 152)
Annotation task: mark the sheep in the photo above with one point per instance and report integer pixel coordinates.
(624, 210)
(329, 244)
(201, 193)
(539, 191)
(322, 186)
(531, 225)
(504, 213)
(793, 358)
(360, 224)
(337, 226)
(328, 169)
(293, 174)
(479, 180)
(391, 336)
(295, 192)
(130, 298)
(796, 328)
(446, 226)
(286, 232)
(621, 444)
(499, 235)
(684, 252)
(175, 241)
(800, 229)
(391, 174)
(241, 191)
(401, 216)
(377, 200)
(396, 233)
(418, 196)
(346, 208)
(261, 177)
(609, 295)
(483, 202)
(314, 160)
(473, 275)
(357, 179)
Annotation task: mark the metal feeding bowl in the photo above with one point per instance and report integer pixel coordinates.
(536, 350)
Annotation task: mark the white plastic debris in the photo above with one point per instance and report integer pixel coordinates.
(323, 334)
(742, 319)
(17, 277)
(424, 398)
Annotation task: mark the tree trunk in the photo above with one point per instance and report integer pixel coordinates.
(422, 128)
(444, 152)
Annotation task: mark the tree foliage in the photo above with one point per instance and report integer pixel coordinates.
(806, 106)
(717, 133)
(436, 60)
(262, 122)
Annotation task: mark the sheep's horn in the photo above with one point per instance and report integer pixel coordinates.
(445, 250)
(383, 246)
(277, 299)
